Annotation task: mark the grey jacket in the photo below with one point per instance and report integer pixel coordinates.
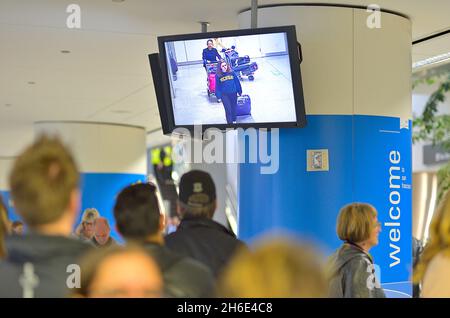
(37, 265)
(352, 274)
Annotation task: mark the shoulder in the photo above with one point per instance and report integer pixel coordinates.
(358, 263)
(175, 237)
(194, 267)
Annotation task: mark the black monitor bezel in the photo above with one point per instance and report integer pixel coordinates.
(294, 59)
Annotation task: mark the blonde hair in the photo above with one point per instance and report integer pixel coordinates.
(278, 268)
(355, 222)
(4, 228)
(42, 180)
(90, 214)
(439, 238)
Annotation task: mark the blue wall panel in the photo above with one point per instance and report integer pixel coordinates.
(7, 199)
(99, 190)
(307, 203)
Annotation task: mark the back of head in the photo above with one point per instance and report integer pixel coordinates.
(197, 195)
(137, 211)
(42, 180)
(355, 222)
(439, 240)
(276, 268)
(119, 272)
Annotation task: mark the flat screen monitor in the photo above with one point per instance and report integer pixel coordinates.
(230, 79)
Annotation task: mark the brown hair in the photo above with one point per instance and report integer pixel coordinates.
(355, 222)
(439, 238)
(207, 211)
(219, 69)
(4, 227)
(276, 268)
(42, 180)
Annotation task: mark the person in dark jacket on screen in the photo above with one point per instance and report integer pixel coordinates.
(228, 87)
(198, 236)
(139, 220)
(44, 185)
(351, 268)
(210, 54)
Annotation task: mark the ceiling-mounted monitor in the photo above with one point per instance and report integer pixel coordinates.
(230, 79)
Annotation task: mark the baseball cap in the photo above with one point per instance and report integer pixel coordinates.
(197, 189)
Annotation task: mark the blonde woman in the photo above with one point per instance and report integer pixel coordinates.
(433, 269)
(351, 268)
(85, 230)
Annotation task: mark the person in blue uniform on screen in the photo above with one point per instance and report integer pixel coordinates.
(228, 87)
(210, 54)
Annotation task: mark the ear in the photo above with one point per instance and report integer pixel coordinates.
(74, 203)
(162, 222)
(180, 210)
(215, 208)
(116, 228)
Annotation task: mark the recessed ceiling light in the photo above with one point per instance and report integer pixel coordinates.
(65, 51)
(432, 60)
(31, 82)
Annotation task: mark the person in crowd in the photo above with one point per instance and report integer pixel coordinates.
(433, 268)
(17, 228)
(351, 268)
(210, 53)
(4, 228)
(139, 220)
(278, 267)
(198, 235)
(119, 272)
(85, 230)
(228, 87)
(44, 185)
(102, 233)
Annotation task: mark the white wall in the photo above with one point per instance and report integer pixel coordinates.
(361, 82)
(5, 168)
(252, 45)
(102, 148)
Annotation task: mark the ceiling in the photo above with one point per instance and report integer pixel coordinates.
(106, 75)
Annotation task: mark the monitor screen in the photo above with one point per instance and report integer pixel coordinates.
(235, 79)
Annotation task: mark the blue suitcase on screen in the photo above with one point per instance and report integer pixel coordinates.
(244, 106)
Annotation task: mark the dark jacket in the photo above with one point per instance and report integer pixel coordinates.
(111, 242)
(183, 276)
(210, 55)
(205, 241)
(352, 274)
(228, 83)
(40, 262)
